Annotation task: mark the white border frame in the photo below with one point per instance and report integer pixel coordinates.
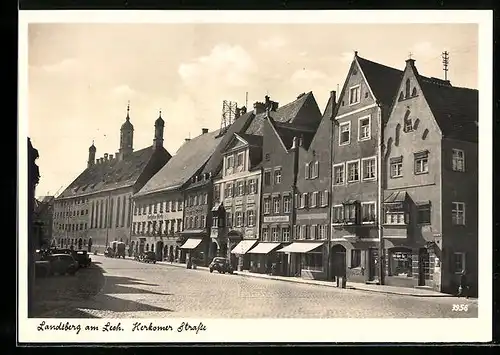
(347, 123)
(369, 128)
(362, 170)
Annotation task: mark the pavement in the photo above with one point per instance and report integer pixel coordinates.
(131, 289)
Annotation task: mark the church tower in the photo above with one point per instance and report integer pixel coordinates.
(92, 150)
(126, 135)
(158, 139)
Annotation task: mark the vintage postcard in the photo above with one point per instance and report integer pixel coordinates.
(253, 176)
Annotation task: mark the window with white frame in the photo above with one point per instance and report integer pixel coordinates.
(421, 162)
(304, 232)
(338, 214)
(267, 206)
(275, 234)
(285, 232)
(252, 186)
(351, 213)
(354, 93)
(339, 174)
(364, 128)
(322, 233)
(313, 231)
(195, 225)
(345, 133)
(314, 199)
(241, 188)
(458, 213)
(353, 171)
(298, 232)
(304, 203)
(230, 161)
(239, 159)
(286, 204)
(229, 186)
(396, 167)
(229, 219)
(250, 218)
(277, 176)
(369, 168)
(368, 212)
(395, 216)
(459, 262)
(276, 205)
(267, 178)
(203, 222)
(307, 171)
(324, 198)
(458, 162)
(239, 219)
(265, 234)
(314, 169)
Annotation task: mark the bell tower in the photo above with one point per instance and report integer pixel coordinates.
(126, 135)
(158, 138)
(92, 150)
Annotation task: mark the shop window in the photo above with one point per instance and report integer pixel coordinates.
(400, 263)
(313, 262)
(355, 258)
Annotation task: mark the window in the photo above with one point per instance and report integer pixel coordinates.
(364, 128)
(369, 170)
(421, 162)
(408, 123)
(276, 205)
(195, 200)
(239, 219)
(338, 214)
(395, 217)
(203, 221)
(267, 206)
(267, 178)
(424, 213)
(229, 219)
(314, 199)
(338, 174)
(350, 213)
(407, 88)
(217, 193)
(396, 167)
(277, 176)
(353, 171)
(155, 208)
(400, 263)
(459, 262)
(314, 170)
(354, 95)
(229, 189)
(149, 207)
(285, 232)
(179, 205)
(345, 133)
(307, 171)
(275, 234)
(368, 212)
(241, 188)
(252, 186)
(286, 204)
(265, 234)
(324, 198)
(251, 218)
(239, 159)
(304, 200)
(167, 205)
(322, 232)
(458, 160)
(458, 213)
(230, 161)
(172, 206)
(313, 231)
(355, 258)
(161, 207)
(195, 223)
(303, 232)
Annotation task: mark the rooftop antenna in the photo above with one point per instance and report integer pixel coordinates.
(446, 61)
(410, 55)
(246, 99)
(228, 115)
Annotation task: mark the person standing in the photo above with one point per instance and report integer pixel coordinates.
(463, 289)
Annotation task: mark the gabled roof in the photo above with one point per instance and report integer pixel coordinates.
(110, 174)
(188, 160)
(252, 139)
(454, 108)
(214, 163)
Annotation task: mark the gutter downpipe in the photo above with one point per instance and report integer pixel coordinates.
(380, 216)
(295, 149)
(334, 122)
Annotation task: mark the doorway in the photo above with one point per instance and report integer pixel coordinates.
(373, 264)
(80, 243)
(338, 260)
(423, 266)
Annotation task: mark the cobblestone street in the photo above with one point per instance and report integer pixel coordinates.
(139, 290)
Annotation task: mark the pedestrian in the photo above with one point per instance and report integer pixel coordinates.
(463, 288)
(171, 258)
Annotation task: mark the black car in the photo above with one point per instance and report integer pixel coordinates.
(149, 257)
(62, 264)
(221, 265)
(83, 258)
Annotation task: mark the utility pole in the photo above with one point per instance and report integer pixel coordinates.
(446, 61)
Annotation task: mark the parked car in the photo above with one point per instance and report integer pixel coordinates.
(62, 264)
(221, 265)
(109, 253)
(149, 257)
(83, 258)
(42, 268)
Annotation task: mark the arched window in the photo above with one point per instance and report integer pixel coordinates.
(424, 135)
(401, 96)
(415, 125)
(407, 88)
(414, 92)
(398, 132)
(408, 126)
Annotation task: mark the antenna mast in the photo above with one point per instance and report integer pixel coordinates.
(446, 61)
(246, 99)
(228, 115)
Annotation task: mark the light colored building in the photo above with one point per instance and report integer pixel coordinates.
(96, 207)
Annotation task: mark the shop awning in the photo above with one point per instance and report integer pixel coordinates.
(299, 247)
(264, 248)
(396, 197)
(191, 243)
(243, 247)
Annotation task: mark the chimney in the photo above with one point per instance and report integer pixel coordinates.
(237, 114)
(105, 156)
(274, 106)
(258, 108)
(111, 157)
(333, 96)
(267, 102)
(187, 139)
(410, 62)
(204, 130)
(243, 110)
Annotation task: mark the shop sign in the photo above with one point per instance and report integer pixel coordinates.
(276, 219)
(312, 216)
(154, 217)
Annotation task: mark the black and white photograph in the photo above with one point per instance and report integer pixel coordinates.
(199, 176)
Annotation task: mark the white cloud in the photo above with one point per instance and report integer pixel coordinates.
(307, 75)
(272, 43)
(423, 49)
(226, 64)
(63, 66)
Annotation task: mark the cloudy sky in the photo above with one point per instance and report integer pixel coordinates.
(81, 76)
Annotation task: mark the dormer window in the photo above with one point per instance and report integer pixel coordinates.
(239, 158)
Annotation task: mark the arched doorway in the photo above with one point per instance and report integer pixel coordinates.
(338, 260)
(80, 244)
(212, 251)
(159, 250)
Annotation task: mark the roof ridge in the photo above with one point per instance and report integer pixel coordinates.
(380, 64)
(297, 99)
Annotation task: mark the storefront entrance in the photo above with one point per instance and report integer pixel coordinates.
(373, 264)
(423, 266)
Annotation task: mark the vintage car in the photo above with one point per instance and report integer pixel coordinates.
(149, 257)
(118, 249)
(83, 258)
(62, 264)
(221, 265)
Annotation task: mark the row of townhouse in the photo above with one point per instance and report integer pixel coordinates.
(375, 189)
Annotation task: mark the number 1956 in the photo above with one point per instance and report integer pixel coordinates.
(460, 308)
